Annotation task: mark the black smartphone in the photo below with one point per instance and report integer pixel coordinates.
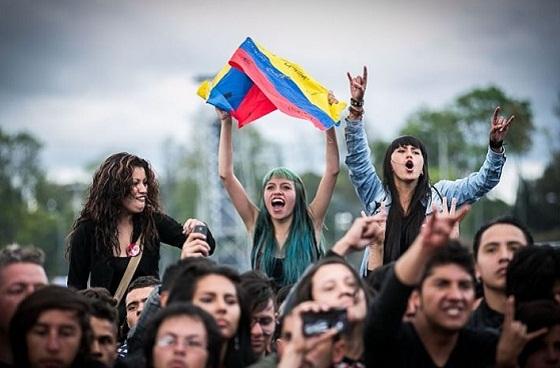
(201, 229)
(318, 323)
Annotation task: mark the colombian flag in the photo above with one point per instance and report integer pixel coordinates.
(256, 82)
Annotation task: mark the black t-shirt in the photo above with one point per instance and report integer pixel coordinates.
(391, 343)
(5, 365)
(486, 319)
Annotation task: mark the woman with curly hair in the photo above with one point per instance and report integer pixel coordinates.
(286, 231)
(122, 219)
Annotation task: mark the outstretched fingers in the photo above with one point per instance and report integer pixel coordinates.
(538, 333)
(509, 310)
(506, 125)
(460, 213)
(495, 115)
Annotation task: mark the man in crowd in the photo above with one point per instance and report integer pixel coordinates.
(136, 296)
(135, 299)
(21, 273)
(260, 294)
(104, 325)
(494, 246)
(443, 272)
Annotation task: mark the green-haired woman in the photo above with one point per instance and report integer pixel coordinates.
(286, 230)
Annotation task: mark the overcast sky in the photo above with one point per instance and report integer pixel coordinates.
(90, 78)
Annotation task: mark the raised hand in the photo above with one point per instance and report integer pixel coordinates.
(189, 225)
(437, 228)
(298, 345)
(358, 85)
(332, 98)
(195, 246)
(223, 115)
(513, 338)
(499, 127)
(445, 211)
(365, 231)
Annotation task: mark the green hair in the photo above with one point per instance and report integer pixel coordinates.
(301, 248)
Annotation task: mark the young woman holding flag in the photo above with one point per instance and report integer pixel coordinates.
(286, 231)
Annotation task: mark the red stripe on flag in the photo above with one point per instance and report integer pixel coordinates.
(254, 105)
(243, 61)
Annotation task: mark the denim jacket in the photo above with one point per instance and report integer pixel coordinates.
(372, 192)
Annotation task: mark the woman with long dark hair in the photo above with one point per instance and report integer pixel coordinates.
(406, 190)
(333, 282)
(217, 290)
(122, 217)
(285, 229)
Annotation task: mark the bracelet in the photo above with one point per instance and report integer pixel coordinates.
(355, 114)
(356, 111)
(356, 103)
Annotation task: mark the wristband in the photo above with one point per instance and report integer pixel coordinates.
(356, 103)
(357, 113)
(356, 110)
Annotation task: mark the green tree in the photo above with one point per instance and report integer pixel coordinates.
(456, 138)
(538, 201)
(34, 210)
(19, 174)
(440, 132)
(475, 108)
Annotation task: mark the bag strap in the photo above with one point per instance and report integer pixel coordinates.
(128, 273)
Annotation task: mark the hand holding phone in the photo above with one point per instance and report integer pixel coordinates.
(201, 229)
(316, 323)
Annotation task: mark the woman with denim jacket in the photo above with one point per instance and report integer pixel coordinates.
(406, 190)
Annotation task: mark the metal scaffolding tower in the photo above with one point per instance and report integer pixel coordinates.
(213, 203)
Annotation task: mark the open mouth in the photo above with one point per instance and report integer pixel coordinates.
(409, 164)
(277, 203)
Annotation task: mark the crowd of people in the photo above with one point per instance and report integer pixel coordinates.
(420, 299)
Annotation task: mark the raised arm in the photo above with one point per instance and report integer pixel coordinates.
(320, 203)
(385, 315)
(364, 178)
(246, 209)
(477, 184)
(434, 234)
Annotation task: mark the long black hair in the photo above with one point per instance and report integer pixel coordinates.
(238, 352)
(398, 236)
